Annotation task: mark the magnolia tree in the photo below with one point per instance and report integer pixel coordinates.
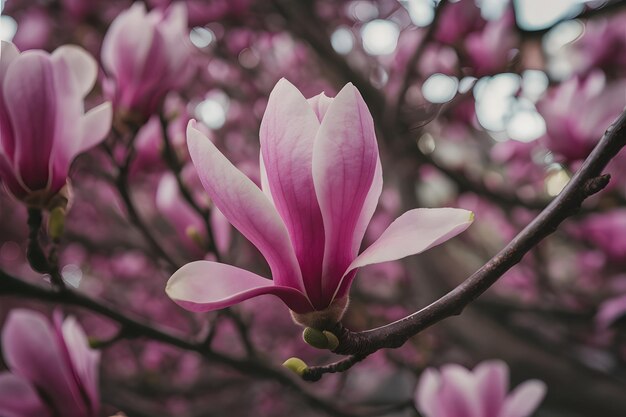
(169, 166)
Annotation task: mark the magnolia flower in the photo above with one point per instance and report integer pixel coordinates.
(146, 55)
(321, 179)
(458, 392)
(53, 372)
(578, 111)
(43, 125)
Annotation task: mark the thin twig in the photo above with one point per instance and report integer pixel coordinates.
(136, 328)
(174, 164)
(411, 65)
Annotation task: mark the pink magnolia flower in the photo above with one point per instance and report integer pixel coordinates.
(578, 111)
(490, 49)
(146, 55)
(43, 125)
(53, 372)
(611, 311)
(321, 179)
(457, 392)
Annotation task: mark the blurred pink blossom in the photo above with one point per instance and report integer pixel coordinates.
(610, 311)
(33, 31)
(45, 126)
(491, 49)
(53, 372)
(145, 55)
(457, 392)
(321, 180)
(578, 111)
(607, 231)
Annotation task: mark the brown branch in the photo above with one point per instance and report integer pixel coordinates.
(587, 181)
(174, 164)
(120, 181)
(133, 328)
(35, 254)
(411, 65)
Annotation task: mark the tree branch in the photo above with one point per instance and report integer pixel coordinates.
(133, 328)
(587, 181)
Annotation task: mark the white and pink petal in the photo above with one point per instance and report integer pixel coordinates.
(345, 156)
(206, 286)
(287, 137)
(246, 207)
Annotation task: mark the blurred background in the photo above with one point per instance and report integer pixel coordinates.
(488, 105)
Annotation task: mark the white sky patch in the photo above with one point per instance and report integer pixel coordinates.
(364, 10)
(8, 28)
(201, 37)
(505, 115)
(541, 14)
(466, 84)
(342, 40)
(561, 35)
(422, 12)
(534, 84)
(380, 37)
(212, 111)
(556, 181)
(526, 125)
(72, 275)
(440, 88)
(495, 101)
(492, 9)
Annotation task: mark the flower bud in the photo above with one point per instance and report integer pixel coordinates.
(44, 126)
(56, 223)
(145, 55)
(296, 365)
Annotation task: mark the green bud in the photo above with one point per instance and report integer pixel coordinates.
(333, 342)
(56, 223)
(193, 234)
(94, 343)
(315, 338)
(296, 365)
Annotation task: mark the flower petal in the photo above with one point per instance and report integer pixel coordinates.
(79, 65)
(492, 379)
(457, 396)
(427, 393)
(369, 207)
(96, 125)
(127, 42)
(84, 360)
(246, 207)
(29, 87)
(345, 155)
(206, 286)
(18, 398)
(32, 350)
(287, 136)
(320, 104)
(8, 53)
(524, 399)
(414, 232)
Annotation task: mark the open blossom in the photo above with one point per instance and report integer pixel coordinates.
(53, 372)
(145, 56)
(43, 125)
(457, 392)
(321, 180)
